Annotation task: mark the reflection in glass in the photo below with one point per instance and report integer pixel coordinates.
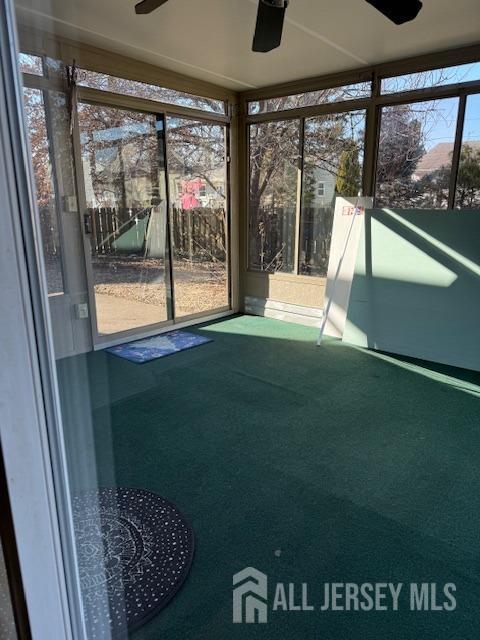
(274, 169)
(415, 154)
(47, 202)
(197, 175)
(333, 159)
(467, 195)
(124, 171)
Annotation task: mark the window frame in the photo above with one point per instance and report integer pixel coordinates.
(298, 201)
(35, 83)
(457, 141)
(384, 78)
(137, 104)
(373, 106)
(339, 100)
(83, 84)
(31, 360)
(165, 110)
(457, 151)
(335, 108)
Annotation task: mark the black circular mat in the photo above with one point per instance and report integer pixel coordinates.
(134, 551)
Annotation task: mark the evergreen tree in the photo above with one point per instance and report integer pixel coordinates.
(349, 172)
(468, 182)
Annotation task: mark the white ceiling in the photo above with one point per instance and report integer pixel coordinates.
(211, 39)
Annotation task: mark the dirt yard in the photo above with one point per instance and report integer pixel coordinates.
(132, 293)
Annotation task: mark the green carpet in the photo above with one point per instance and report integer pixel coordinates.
(313, 465)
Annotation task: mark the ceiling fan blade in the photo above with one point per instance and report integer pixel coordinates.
(398, 12)
(270, 19)
(147, 6)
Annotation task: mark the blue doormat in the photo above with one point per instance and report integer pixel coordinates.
(149, 349)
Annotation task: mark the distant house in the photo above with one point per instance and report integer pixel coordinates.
(437, 157)
(319, 188)
(195, 192)
(324, 192)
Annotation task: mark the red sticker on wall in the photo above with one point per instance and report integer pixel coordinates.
(350, 211)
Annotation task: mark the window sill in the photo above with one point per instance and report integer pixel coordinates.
(289, 277)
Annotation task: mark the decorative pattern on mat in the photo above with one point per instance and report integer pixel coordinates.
(142, 351)
(134, 551)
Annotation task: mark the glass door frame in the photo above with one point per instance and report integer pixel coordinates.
(33, 451)
(100, 341)
(186, 320)
(150, 107)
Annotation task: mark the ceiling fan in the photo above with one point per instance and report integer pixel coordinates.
(271, 16)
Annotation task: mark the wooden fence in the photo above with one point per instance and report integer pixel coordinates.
(198, 234)
(272, 238)
(108, 223)
(316, 236)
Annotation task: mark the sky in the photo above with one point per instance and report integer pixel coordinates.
(471, 130)
(443, 123)
(441, 126)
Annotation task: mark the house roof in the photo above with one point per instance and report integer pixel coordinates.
(439, 156)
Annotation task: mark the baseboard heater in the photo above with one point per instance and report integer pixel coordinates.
(308, 316)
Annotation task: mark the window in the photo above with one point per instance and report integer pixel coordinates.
(290, 227)
(432, 78)
(29, 63)
(196, 163)
(415, 154)
(274, 169)
(125, 189)
(335, 94)
(34, 101)
(105, 82)
(333, 161)
(332, 165)
(467, 194)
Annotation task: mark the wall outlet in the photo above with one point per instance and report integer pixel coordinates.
(81, 311)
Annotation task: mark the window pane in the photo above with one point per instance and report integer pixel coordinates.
(415, 154)
(196, 162)
(335, 94)
(44, 182)
(333, 166)
(30, 64)
(105, 82)
(124, 169)
(54, 69)
(274, 159)
(432, 78)
(467, 195)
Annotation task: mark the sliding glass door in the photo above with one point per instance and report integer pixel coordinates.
(126, 220)
(124, 178)
(198, 195)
